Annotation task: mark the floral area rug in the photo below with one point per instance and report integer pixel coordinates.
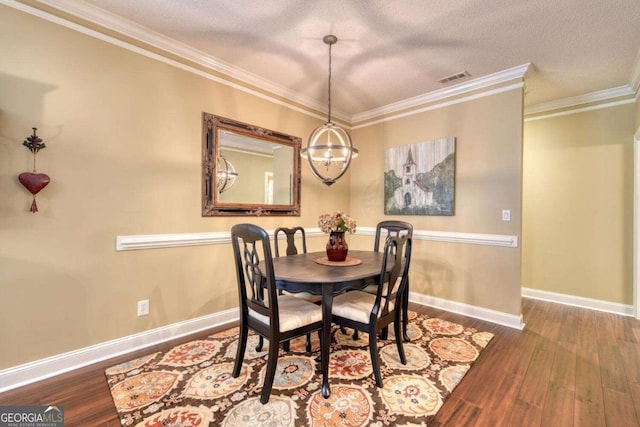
(191, 384)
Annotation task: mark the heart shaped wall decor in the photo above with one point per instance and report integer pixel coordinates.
(34, 182)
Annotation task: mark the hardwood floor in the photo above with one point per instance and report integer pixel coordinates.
(569, 367)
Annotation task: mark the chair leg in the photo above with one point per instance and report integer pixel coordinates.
(308, 346)
(272, 363)
(355, 336)
(405, 312)
(375, 358)
(396, 328)
(260, 344)
(384, 333)
(343, 330)
(242, 345)
(286, 346)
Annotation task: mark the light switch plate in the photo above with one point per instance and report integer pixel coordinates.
(143, 307)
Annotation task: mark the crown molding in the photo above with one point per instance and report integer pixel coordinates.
(112, 22)
(599, 106)
(479, 83)
(120, 25)
(593, 97)
(443, 104)
(133, 31)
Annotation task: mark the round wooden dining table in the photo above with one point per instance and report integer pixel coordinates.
(302, 273)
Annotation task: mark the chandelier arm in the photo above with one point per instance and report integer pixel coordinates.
(329, 181)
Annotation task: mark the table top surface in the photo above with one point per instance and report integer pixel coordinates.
(302, 268)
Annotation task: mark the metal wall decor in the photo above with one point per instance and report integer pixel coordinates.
(33, 181)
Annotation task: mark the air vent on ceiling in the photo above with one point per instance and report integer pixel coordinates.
(453, 77)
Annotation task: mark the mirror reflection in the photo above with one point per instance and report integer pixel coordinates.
(254, 171)
(268, 165)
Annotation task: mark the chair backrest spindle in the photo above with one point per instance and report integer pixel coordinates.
(397, 250)
(391, 228)
(290, 234)
(252, 248)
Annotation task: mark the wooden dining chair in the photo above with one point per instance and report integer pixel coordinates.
(371, 313)
(384, 230)
(291, 234)
(277, 318)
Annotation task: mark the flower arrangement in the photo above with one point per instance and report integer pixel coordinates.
(336, 221)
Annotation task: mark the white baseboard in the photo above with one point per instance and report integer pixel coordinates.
(31, 372)
(593, 304)
(38, 370)
(493, 316)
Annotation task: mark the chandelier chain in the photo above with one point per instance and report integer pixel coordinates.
(329, 86)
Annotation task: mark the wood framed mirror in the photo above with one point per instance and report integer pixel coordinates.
(248, 170)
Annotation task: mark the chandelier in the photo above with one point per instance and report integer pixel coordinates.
(226, 174)
(330, 149)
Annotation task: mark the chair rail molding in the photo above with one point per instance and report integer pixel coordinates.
(155, 241)
(455, 237)
(151, 241)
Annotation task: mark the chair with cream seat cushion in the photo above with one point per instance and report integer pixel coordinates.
(292, 234)
(384, 229)
(372, 313)
(278, 318)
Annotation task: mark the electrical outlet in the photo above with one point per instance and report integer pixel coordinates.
(506, 215)
(143, 307)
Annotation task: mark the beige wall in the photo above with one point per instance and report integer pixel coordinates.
(637, 104)
(123, 137)
(578, 204)
(488, 135)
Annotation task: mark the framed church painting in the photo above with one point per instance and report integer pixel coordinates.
(419, 178)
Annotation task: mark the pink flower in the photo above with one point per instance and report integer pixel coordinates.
(337, 221)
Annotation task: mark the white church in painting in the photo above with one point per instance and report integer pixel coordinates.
(412, 193)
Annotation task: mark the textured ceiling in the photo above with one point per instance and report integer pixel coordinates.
(392, 50)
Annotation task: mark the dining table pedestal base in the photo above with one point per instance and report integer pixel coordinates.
(325, 343)
(301, 273)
